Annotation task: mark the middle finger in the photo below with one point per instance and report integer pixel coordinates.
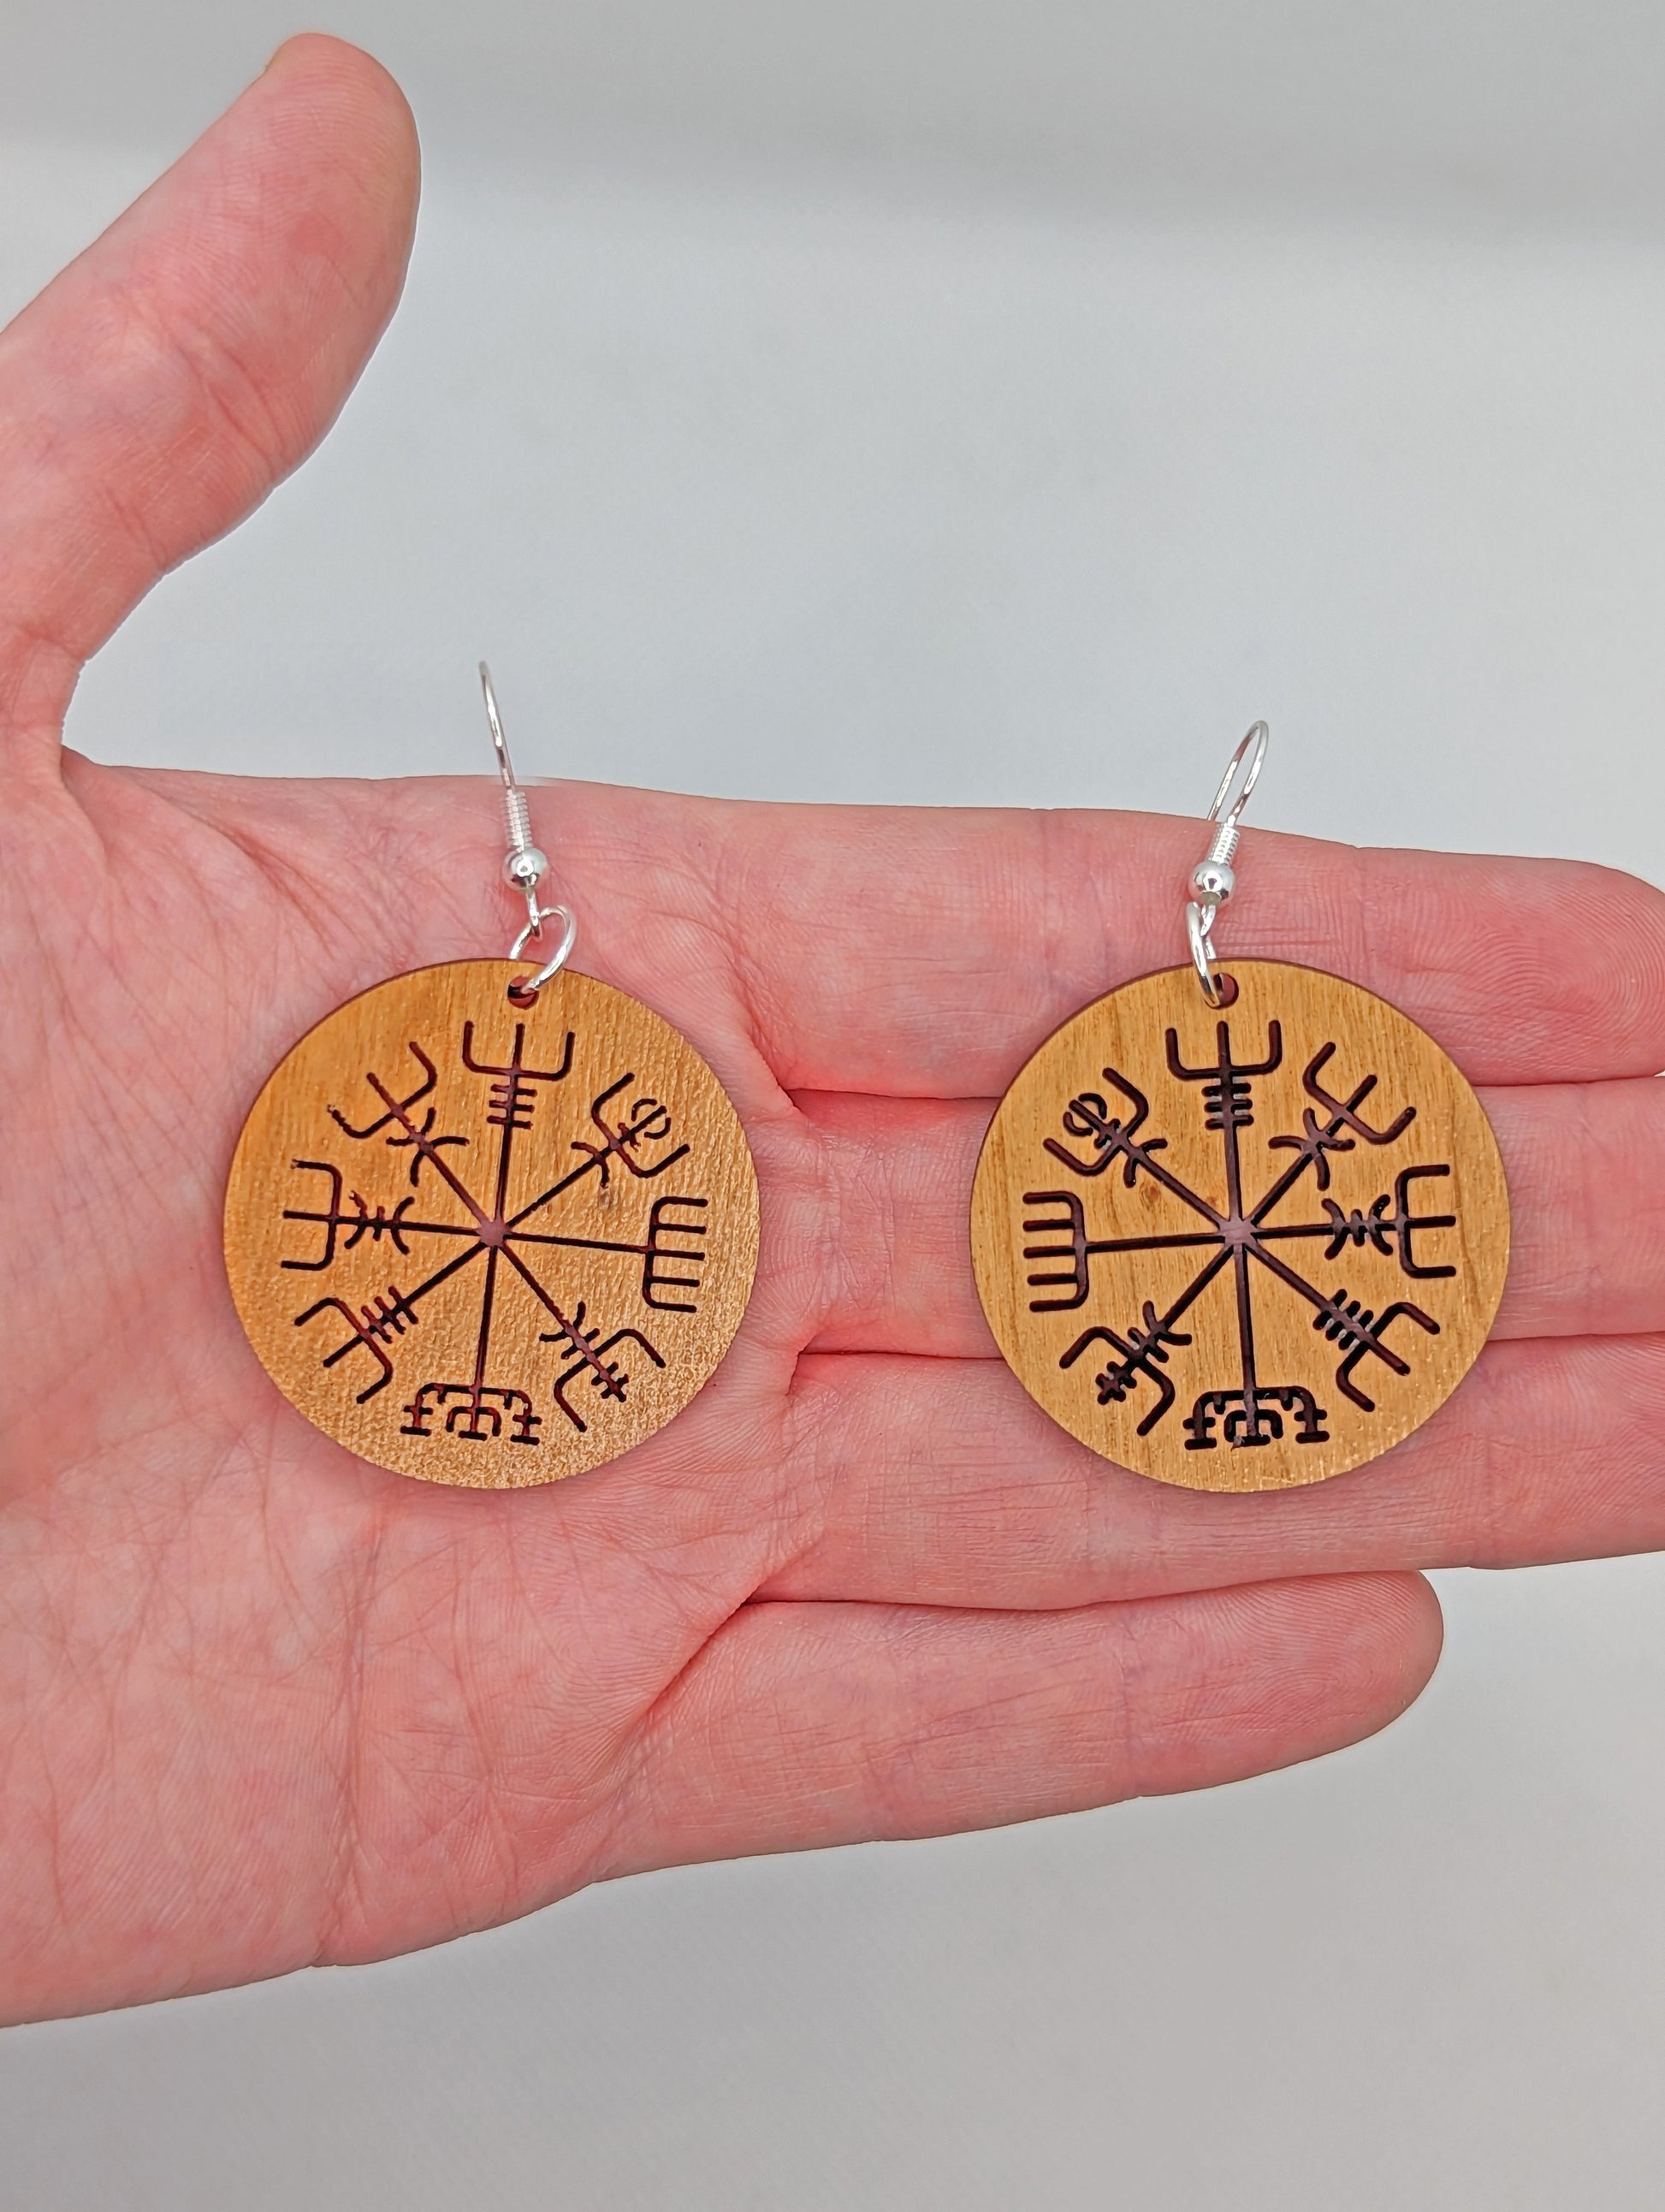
(1588, 1243)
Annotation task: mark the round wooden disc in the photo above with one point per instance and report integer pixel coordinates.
(489, 1243)
(1243, 1249)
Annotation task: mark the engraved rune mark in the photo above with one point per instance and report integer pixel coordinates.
(1242, 1237)
(1347, 1114)
(1390, 1232)
(667, 1250)
(474, 1412)
(360, 1224)
(1346, 1321)
(423, 1143)
(605, 1374)
(418, 1152)
(1312, 1145)
(1112, 1139)
(1143, 1351)
(513, 1096)
(396, 1110)
(372, 1327)
(646, 1122)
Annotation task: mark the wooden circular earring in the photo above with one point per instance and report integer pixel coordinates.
(1239, 1231)
(488, 1226)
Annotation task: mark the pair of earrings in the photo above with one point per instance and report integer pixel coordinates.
(494, 1222)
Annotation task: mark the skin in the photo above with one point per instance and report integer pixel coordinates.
(263, 1705)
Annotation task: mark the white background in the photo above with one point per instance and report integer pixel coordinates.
(1006, 402)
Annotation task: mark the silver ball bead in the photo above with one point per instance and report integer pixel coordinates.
(1213, 880)
(524, 870)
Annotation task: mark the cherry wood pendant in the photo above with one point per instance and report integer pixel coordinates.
(1244, 1249)
(490, 1243)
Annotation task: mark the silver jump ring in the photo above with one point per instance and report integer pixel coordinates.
(1197, 927)
(557, 960)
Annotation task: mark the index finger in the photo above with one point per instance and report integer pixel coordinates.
(927, 951)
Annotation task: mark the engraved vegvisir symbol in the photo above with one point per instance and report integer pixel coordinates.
(506, 1232)
(1257, 1241)
(1240, 1236)
(671, 1248)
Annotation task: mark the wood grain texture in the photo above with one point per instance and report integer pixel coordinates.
(486, 1243)
(1242, 1250)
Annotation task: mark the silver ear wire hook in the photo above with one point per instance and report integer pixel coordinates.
(1213, 881)
(526, 864)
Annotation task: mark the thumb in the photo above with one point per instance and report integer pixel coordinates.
(157, 390)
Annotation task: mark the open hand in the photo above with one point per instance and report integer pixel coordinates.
(263, 1704)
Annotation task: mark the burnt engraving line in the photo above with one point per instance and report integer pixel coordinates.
(534, 1286)
(374, 1324)
(1087, 1114)
(590, 1353)
(659, 1254)
(1346, 1327)
(1311, 1150)
(472, 1417)
(476, 1411)
(1345, 1323)
(398, 1111)
(430, 1077)
(507, 1117)
(1314, 1145)
(1143, 1351)
(475, 1417)
(331, 1219)
(512, 1098)
(1273, 1400)
(482, 1342)
(359, 1222)
(1228, 1104)
(516, 1064)
(371, 1329)
(1376, 1228)
(648, 1121)
(1387, 1233)
(469, 1412)
(1349, 1326)
(371, 1326)
(1114, 1384)
(581, 1342)
(1348, 1115)
(662, 1254)
(1080, 1249)
(1246, 1344)
(399, 1143)
(1349, 1323)
(511, 1110)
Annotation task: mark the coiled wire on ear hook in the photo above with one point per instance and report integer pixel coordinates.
(1213, 880)
(526, 863)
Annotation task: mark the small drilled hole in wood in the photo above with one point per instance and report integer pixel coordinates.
(1227, 987)
(521, 993)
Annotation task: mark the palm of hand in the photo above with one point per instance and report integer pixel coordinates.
(262, 1704)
